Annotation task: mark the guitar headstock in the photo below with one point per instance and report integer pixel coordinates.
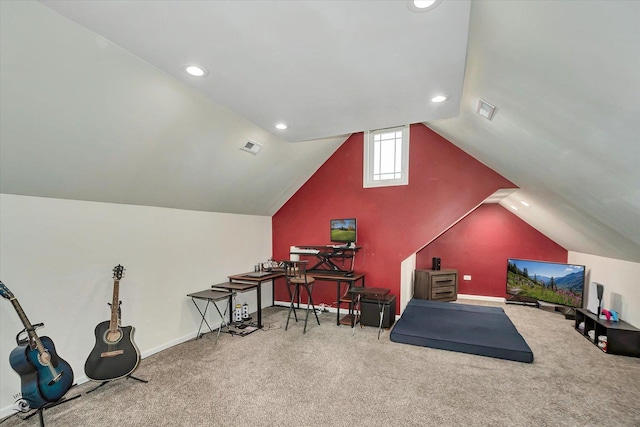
(5, 292)
(118, 272)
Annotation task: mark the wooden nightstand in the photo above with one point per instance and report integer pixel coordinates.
(437, 285)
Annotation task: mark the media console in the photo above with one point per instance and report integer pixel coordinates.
(621, 337)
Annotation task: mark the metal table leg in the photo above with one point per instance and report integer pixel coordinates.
(203, 315)
(223, 323)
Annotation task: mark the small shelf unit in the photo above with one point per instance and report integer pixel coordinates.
(621, 337)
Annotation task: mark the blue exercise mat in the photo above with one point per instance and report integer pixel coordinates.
(485, 331)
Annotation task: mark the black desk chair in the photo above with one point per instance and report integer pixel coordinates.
(296, 274)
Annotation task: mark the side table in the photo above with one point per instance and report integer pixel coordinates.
(210, 296)
(358, 292)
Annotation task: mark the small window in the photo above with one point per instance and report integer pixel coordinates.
(386, 157)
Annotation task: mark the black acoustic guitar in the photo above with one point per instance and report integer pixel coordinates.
(44, 375)
(115, 355)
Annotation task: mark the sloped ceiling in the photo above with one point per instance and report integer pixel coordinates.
(325, 68)
(565, 77)
(95, 105)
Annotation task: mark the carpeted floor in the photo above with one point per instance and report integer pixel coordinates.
(333, 378)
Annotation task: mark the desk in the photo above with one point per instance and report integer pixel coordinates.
(339, 279)
(210, 296)
(255, 282)
(358, 292)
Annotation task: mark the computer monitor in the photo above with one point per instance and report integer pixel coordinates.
(343, 230)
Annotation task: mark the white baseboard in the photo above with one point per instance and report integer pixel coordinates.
(285, 304)
(172, 343)
(481, 298)
(9, 410)
(12, 409)
(345, 310)
(460, 296)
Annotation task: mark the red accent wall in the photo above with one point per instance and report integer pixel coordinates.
(480, 245)
(445, 184)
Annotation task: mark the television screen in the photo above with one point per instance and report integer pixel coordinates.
(550, 282)
(343, 230)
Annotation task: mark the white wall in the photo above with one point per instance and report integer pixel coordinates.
(57, 256)
(407, 268)
(621, 285)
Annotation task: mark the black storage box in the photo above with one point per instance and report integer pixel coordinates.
(371, 312)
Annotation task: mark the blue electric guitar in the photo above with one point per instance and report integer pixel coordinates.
(114, 355)
(45, 376)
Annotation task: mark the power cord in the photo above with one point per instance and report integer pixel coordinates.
(272, 326)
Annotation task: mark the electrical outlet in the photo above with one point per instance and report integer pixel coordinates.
(466, 277)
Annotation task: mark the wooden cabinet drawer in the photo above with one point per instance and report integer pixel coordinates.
(443, 293)
(439, 285)
(443, 280)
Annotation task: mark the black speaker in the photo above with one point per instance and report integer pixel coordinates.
(435, 263)
(600, 292)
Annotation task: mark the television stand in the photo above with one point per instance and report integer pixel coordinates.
(567, 312)
(515, 299)
(610, 337)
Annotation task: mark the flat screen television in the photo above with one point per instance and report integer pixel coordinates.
(551, 282)
(343, 230)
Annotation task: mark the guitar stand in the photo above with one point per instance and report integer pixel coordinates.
(108, 381)
(128, 376)
(23, 340)
(40, 410)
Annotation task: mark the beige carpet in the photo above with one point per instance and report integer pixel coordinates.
(329, 377)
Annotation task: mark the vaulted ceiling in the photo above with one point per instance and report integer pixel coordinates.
(95, 104)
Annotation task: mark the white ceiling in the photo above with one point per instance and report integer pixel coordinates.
(565, 76)
(324, 68)
(100, 108)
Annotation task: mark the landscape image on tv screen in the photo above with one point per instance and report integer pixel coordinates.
(550, 282)
(343, 230)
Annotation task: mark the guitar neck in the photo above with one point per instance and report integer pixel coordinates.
(31, 332)
(115, 305)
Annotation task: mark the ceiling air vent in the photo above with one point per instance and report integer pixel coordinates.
(252, 147)
(485, 109)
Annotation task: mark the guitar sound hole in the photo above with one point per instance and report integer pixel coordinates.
(44, 358)
(112, 337)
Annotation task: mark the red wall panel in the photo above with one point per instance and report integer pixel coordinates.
(480, 245)
(445, 184)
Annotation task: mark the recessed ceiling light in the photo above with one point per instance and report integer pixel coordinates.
(281, 126)
(196, 70)
(439, 98)
(422, 5)
(525, 203)
(514, 208)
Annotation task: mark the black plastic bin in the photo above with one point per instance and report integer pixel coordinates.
(371, 311)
